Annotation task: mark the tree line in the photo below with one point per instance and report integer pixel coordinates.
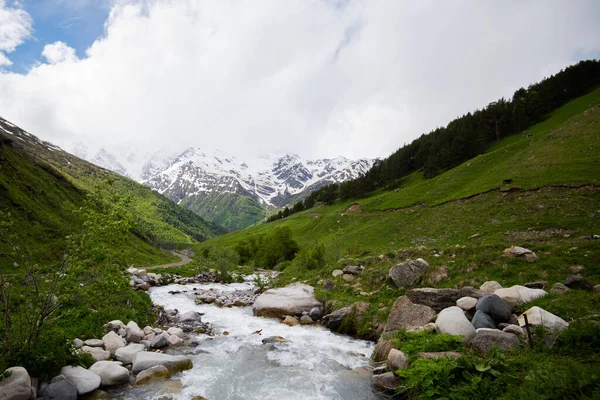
(463, 138)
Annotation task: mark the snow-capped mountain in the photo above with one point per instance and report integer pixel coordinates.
(224, 189)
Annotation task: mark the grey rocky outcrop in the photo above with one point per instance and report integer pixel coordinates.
(438, 299)
(405, 315)
(452, 321)
(409, 272)
(275, 303)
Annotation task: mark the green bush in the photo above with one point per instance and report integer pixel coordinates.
(268, 250)
(312, 257)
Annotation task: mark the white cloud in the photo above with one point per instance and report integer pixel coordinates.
(58, 52)
(255, 77)
(15, 28)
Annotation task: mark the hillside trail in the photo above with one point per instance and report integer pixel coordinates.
(184, 260)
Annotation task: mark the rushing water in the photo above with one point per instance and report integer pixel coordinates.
(318, 364)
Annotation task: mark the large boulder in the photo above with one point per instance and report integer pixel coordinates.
(438, 299)
(578, 282)
(537, 316)
(482, 320)
(146, 359)
(97, 353)
(125, 354)
(133, 332)
(409, 272)
(520, 252)
(334, 320)
(275, 303)
(452, 321)
(84, 380)
(16, 385)
(60, 389)
(406, 315)
(112, 341)
(158, 372)
(486, 339)
(110, 372)
(495, 307)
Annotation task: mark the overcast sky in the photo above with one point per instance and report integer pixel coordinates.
(320, 78)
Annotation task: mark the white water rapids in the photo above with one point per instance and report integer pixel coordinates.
(318, 364)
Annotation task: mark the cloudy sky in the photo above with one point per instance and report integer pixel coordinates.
(320, 78)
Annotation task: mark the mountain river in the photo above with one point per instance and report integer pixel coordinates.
(317, 364)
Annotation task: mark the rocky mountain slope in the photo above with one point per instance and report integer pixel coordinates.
(230, 192)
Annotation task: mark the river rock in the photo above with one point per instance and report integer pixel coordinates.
(110, 372)
(334, 320)
(520, 252)
(495, 307)
(315, 313)
(148, 330)
(77, 343)
(146, 359)
(559, 288)
(439, 299)
(133, 332)
(406, 315)
(381, 350)
(452, 321)
(537, 316)
(409, 272)
(275, 339)
(466, 303)
(190, 316)
(160, 341)
(158, 372)
(482, 320)
(353, 269)
(16, 385)
(306, 320)
(94, 343)
(84, 380)
(114, 325)
(60, 389)
(176, 331)
(387, 382)
(275, 303)
(290, 321)
(125, 354)
(397, 360)
(490, 286)
(112, 342)
(578, 282)
(174, 340)
(486, 339)
(97, 353)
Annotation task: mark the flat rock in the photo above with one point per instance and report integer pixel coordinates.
(490, 286)
(438, 354)
(452, 321)
(517, 294)
(493, 305)
(84, 380)
(537, 316)
(125, 354)
(409, 272)
(353, 269)
(94, 343)
(110, 372)
(158, 372)
(16, 385)
(288, 300)
(97, 353)
(59, 390)
(387, 382)
(112, 341)
(578, 282)
(486, 339)
(146, 359)
(406, 315)
(439, 299)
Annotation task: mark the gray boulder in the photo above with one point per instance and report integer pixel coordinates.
(160, 341)
(495, 307)
(110, 372)
(16, 385)
(482, 320)
(315, 313)
(387, 382)
(190, 316)
(77, 343)
(452, 321)
(537, 316)
(466, 303)
(578, 282)
(486, 339)
(112, 341)
(409, 272)
(406, 315)
(60, 389)
(97, 353)
(84, 380)
(275, 303)
(439, 299)
(397, 360)
(146, 359)
(176, 331)
(133, 332)
(334, 320)
(125, 354)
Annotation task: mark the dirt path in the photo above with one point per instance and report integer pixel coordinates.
(184, 260)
